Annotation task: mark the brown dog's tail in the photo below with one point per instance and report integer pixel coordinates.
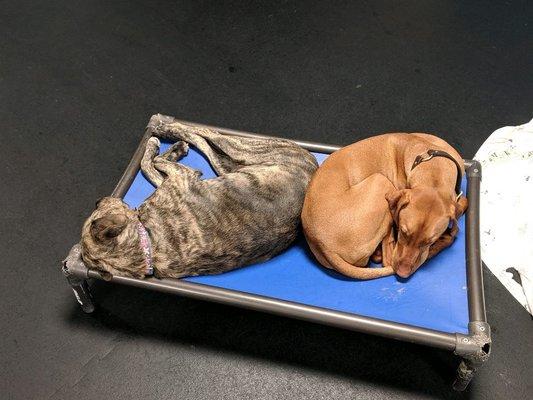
(364, 273)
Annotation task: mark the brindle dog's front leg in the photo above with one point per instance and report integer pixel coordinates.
(147, 162)
(166, 164)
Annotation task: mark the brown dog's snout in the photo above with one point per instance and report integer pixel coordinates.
(403, 269)
(405, 261)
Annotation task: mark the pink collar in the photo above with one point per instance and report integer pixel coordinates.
(146, 246)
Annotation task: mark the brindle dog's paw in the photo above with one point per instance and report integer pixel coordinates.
(177, 151)
(180, 147)
(153, 143)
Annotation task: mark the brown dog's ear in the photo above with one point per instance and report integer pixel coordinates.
(108, 227)
(397, 200)
(458, 209)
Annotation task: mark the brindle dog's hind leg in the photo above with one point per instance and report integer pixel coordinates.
(170, 168)
(147, 162)
(220, 162)
(173, 154)
(229, 153)
(156, 167)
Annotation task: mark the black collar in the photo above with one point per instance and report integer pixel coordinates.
(439, 153)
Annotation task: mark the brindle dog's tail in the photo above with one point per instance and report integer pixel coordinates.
(228, 153)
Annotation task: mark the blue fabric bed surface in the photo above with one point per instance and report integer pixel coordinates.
(434, 297)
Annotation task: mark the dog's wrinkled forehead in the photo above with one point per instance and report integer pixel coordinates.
(421, 211)
(427, 201)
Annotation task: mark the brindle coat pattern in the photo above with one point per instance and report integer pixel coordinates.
(249, 213)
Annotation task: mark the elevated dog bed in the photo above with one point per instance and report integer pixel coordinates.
(441, 305)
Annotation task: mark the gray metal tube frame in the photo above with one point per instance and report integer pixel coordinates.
(474, 348)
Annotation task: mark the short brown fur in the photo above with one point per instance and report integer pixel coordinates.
(365, 203)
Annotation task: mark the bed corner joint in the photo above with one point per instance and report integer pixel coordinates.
(474, 349)
(76, 273)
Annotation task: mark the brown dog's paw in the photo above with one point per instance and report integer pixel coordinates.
(377, 257)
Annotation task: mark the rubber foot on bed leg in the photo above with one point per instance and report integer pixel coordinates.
(465, 373)
(83, 295)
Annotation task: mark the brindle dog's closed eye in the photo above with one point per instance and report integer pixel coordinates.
(191, 226)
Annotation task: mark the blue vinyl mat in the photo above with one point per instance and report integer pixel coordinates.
(434, 297)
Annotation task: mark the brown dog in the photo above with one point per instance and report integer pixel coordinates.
(396, 190)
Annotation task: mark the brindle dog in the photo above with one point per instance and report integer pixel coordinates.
(190, 226)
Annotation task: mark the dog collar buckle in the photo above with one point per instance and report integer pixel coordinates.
(420, 159)
(439, 153)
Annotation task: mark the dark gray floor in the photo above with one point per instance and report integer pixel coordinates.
(79, 80)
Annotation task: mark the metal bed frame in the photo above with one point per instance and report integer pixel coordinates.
(473, 348)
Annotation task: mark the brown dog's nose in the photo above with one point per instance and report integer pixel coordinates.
(403, 269)
(403, 273)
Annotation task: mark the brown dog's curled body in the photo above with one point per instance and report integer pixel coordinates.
(366, 201)
(249, 213)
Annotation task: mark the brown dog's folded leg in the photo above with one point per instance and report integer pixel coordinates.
(444, 241)
(377, 256)
(352, 271)
(387, 247)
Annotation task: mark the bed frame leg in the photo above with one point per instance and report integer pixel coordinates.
(465, 373)
(474, 349)
(76, 273)
(83, 295)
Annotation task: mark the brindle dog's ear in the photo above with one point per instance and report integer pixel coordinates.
(108, 227)
(397, 200)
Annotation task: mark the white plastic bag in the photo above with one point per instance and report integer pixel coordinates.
(507, 208)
